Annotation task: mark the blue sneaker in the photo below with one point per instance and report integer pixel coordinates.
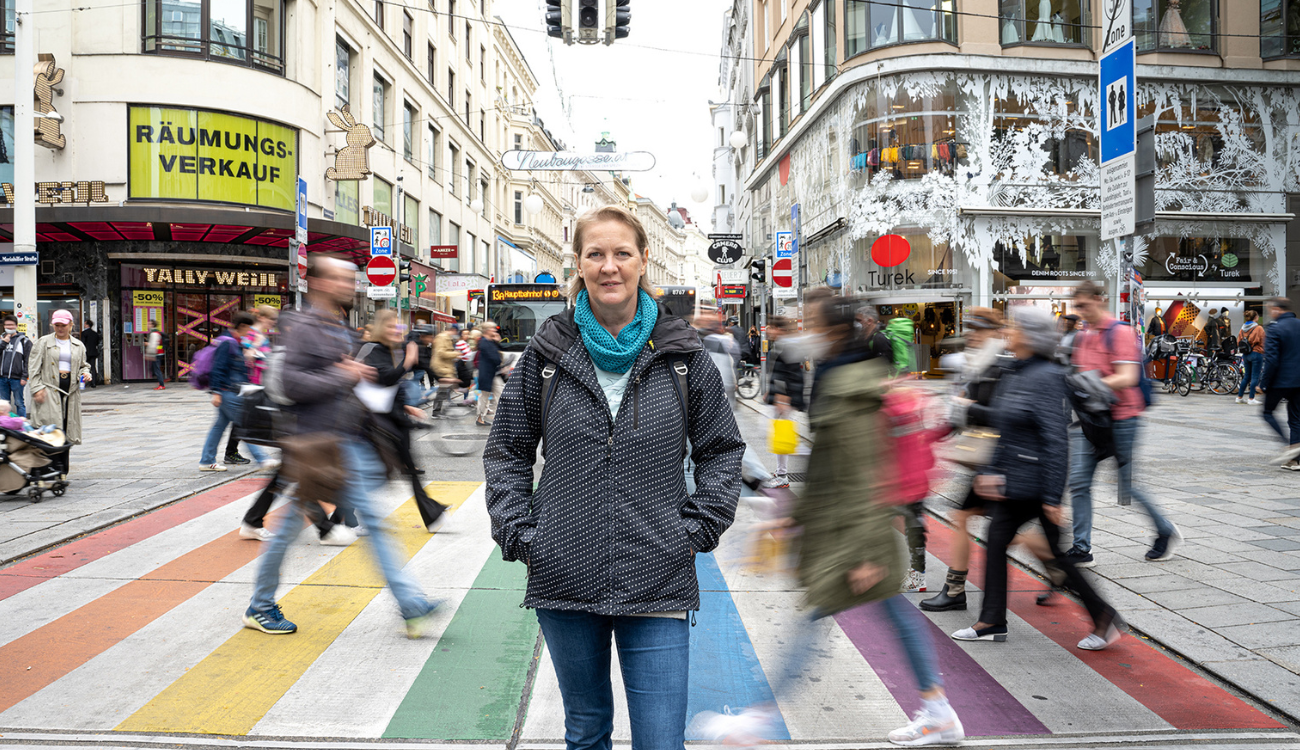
(416, 626)
(269, 621)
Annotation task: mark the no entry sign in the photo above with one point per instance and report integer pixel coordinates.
(783, 273)
(381, 270)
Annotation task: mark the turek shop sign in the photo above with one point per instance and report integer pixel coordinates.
(199, 155)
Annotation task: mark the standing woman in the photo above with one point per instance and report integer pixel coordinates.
(57, 365)
(1026, 478)
(755, 346)
(614, 388)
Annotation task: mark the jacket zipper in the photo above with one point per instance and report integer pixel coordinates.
(636, 403)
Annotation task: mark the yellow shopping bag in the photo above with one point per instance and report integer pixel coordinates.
(784, 440)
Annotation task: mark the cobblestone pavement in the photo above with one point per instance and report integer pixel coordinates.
(1229, 600)
(140, 449)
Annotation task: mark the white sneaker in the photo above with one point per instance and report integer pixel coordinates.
(1255, 402)
(213, 467)
(270, 464)
(1292, 452)
(360, 530)
(1095, 642)
(254, 533)
(745, 729)
(929, 730)
(914, 583)
(338, 536)
(1241, 400)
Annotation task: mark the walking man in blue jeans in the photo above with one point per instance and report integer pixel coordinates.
(15, 349)
(319, 375)
(1281, 378)
(1111, 348)
(229, 372)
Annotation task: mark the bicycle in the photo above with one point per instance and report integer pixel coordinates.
(747, 380)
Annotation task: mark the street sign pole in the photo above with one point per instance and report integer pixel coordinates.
(1118, 125)
(298, 240)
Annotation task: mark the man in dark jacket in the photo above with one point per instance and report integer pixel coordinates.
(319, 375)
(1281, 378)
(489, 363)
(228, 374)
(91, 340)
(15, 349)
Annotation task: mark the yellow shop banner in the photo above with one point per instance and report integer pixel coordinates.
(193, 154)
(147, 298)
(270, 300)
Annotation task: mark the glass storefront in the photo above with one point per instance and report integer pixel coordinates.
(191, 305)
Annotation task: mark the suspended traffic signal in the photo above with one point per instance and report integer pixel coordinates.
(403, 271)
(559, 15)
(758, 270)
(618, 19)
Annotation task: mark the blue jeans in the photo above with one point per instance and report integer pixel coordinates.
(11, 390)
(365, 475)
(227, 414)
(1082, 466)
(1253, 364)
(1273, 398)
(654, 653)
(910, 626)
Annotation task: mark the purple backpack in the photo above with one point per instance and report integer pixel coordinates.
(201, 366)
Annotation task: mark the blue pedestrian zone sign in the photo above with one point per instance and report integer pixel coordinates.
(1118, 103)
(381, 241)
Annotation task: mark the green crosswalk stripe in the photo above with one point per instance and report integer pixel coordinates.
(470, 687)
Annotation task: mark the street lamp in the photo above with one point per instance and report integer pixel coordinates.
(533, 203)
(476, 206)
(738, 139)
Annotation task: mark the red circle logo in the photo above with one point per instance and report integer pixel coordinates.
(890, 250)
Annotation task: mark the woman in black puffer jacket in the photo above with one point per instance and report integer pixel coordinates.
(1026, 478)
(613, 389)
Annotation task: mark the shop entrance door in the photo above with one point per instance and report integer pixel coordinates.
(199, 319)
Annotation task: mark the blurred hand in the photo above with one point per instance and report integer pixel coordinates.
(414, 412)
(865, 576)
(355, 370)
(216, 400)
(39, 396)
(990, 486)
(412, 355)
(1053, 513)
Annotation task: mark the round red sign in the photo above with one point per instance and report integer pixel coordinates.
(890, 250)
(783, 273)
(381, 270)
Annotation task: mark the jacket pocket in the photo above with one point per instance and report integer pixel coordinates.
(1023, 476)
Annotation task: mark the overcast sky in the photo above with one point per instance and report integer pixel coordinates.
(651, 91)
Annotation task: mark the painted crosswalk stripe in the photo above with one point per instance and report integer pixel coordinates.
(232, 689)
(470, 687)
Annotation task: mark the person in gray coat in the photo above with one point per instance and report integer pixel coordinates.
(615, 390)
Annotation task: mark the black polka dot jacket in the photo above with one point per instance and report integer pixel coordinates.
(610, 528)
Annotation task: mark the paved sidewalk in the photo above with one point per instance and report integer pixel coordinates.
(1229, 600)
(140, 450)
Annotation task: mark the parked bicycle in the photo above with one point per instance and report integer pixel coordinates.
(747, 381)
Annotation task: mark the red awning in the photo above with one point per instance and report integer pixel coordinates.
(442, 317)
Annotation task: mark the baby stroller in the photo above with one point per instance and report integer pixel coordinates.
(32, 463)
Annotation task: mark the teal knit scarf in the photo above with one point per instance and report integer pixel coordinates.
(607, 352)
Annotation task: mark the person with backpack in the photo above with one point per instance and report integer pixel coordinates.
(15, 349)
(615, 389)
(1111, 349)
(221, 371)
(899, 332)
(489, 381)
(1251, 339)
(1281, 378)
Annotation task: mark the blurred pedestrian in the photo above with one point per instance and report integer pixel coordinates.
(1111, 348)
(489, 380)
(616, 389)
(91, 339)
(15, 351)
(229, 373)
(319, 377)
(1027, 476)
(55, 368)
(1252, 357)
(786, 384)
(442, 364)
(755, 350)
(155, 353)
(848, 551)
(1281, 378)
(392, 361)
(255, 346)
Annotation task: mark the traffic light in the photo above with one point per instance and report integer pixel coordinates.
(588, 19)
(559, 20)
(617, 19)
(758, 270)
(403, 271)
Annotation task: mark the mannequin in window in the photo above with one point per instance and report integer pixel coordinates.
(1043, 27)
(1059, 29)
(1173, 32)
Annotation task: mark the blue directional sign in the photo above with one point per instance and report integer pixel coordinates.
(301, 224)
(1118, 102)
(381, 241)
(19, 259)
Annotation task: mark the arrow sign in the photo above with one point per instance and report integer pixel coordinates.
(381, 271)
(783, 273)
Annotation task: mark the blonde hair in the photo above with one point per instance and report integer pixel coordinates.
(266, 311)
(379, 323)
(611, 212)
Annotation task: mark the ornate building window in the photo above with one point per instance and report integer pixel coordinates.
(1176, 25)
(1042, 22)
(1279, 28)
(870, 25)
(241, 32)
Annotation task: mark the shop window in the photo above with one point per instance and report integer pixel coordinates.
(409, 118)
(342, 73)
(379, 112)
(240, 32)
(829, 40)
(383, 197)
(1279, 28)
(7, 30)
(435, 149)
(347, 207)
(1043, 22)
(907, 138)
(1176, 25)
(870, 25)
(923, 265)
(1013, 122)
(1044, 261)
(1203, 261)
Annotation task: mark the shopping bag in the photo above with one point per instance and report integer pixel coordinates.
(784, 441)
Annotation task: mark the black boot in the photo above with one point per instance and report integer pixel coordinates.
(951, 597)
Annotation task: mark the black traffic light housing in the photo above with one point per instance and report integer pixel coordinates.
(588, 14)
(559, 19)
(618, 19)
(403, 271)
(758, 270)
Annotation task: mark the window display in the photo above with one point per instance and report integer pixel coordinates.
(1042, 22)
(1177, 25)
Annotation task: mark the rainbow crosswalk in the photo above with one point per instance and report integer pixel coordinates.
(136, 630)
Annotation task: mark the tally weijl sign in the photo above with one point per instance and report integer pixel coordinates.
(200, 277)
(191, 154)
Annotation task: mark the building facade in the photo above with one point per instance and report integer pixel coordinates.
(944, 154)
(166, 193)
